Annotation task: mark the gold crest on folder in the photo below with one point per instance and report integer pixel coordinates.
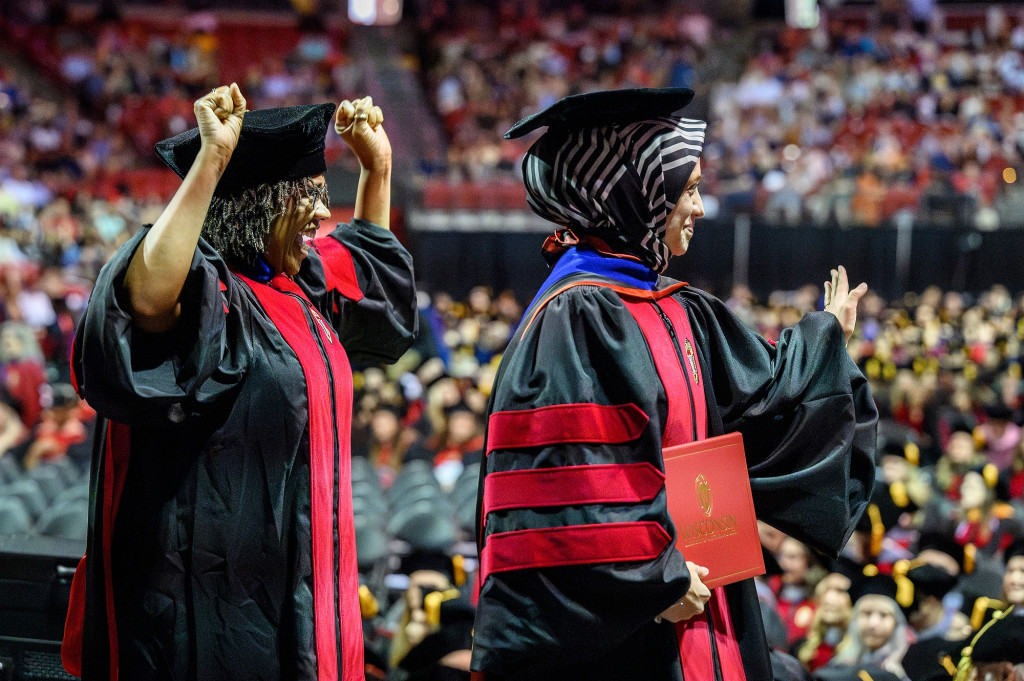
(703, 494)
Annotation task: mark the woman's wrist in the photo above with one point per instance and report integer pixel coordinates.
(378, 168)
(213, 157)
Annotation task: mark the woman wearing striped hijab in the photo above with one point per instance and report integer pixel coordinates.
(580, 578)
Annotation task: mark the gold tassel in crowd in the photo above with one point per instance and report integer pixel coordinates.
(877, 529)
(904, 587)
(432, 604)
(963, 670)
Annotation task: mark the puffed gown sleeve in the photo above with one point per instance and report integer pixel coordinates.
(131, 376)
(806, 413)
(362, 279)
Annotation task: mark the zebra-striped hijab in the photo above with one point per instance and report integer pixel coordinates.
(615, 182)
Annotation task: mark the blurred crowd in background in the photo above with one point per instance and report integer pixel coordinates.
(856, 122)
(863, 120)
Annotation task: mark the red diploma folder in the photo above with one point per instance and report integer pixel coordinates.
(710, 503)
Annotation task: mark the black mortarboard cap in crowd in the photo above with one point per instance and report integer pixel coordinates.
(930, 580)
(460, 406)
(275, 144)
(428, 560)
(1002, 641)
(872, 582)
(933, 659)
(979, 608)
(884, 511)
(902, 449)
(607, 107)
(1014, 549)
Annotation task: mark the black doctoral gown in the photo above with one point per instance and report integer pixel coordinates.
(577, 563)
(221, 541)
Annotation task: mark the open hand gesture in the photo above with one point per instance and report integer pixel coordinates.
(841, 301)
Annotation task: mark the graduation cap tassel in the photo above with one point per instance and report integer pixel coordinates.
(969, 553)
(877, 529)
(459, 567)
(981, 606)
(368, 606)
(912, 453)
(432, 605)
(904, 587)
(963, 670)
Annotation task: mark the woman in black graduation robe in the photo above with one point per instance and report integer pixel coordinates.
(221, 540)
(612, 363)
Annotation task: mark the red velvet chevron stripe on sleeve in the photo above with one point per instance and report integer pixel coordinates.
(572, 545)
(565, 423)
(572, 485)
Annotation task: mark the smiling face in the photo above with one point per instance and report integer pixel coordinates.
(875, 621)
(286, 244)
(1013, 581)
(689, 207)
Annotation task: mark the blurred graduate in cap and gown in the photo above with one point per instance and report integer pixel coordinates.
(613, 362)
(216, 344)
(996, 653)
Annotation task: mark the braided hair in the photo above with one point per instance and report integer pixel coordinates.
(238, 226)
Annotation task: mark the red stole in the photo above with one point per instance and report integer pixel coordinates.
(687, 412)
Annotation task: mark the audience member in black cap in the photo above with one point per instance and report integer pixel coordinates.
(462, 443)
(387, 441)
(997, 652)
(878, 633)
(892, 531)
(900, 466)
(220, 336)
(928, 615)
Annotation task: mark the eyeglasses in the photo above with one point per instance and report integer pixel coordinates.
(317, 192)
